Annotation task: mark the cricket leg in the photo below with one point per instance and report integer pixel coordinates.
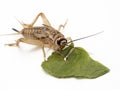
(69, 39)
(44, 18)
(60, 54)
(44, 54)
(14, 44)
(28, 41)
(65, 58)
(62, 26)
(24, 40)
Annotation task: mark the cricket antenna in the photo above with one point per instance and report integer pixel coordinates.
(86, 37)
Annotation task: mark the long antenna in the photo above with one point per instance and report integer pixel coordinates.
(86, 37)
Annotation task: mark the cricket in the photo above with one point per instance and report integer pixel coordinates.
(44, 36)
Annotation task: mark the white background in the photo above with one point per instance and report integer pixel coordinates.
(20, 67)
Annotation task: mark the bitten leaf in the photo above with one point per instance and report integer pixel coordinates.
(78, 64)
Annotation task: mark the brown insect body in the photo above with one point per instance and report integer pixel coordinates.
(43, 36)
(46, 35)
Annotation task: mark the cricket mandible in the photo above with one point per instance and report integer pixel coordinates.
(43, 36)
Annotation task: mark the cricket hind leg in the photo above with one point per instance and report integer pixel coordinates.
(44, 19)
(20, 40)
(28, 41)
(14, 44)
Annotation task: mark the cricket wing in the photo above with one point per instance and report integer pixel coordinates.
(41, 35)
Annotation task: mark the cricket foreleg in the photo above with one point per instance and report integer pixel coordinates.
(44, 18)
(65, 58)
(69, 39)
(62, 26)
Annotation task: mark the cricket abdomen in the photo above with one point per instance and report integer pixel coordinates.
(34, 32)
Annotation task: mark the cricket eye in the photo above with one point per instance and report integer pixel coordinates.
(62, 42)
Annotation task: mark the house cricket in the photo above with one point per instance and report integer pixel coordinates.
(44, 35)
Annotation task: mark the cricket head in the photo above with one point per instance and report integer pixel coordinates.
(61, 42)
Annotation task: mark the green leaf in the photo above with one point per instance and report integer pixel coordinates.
(78, 64)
